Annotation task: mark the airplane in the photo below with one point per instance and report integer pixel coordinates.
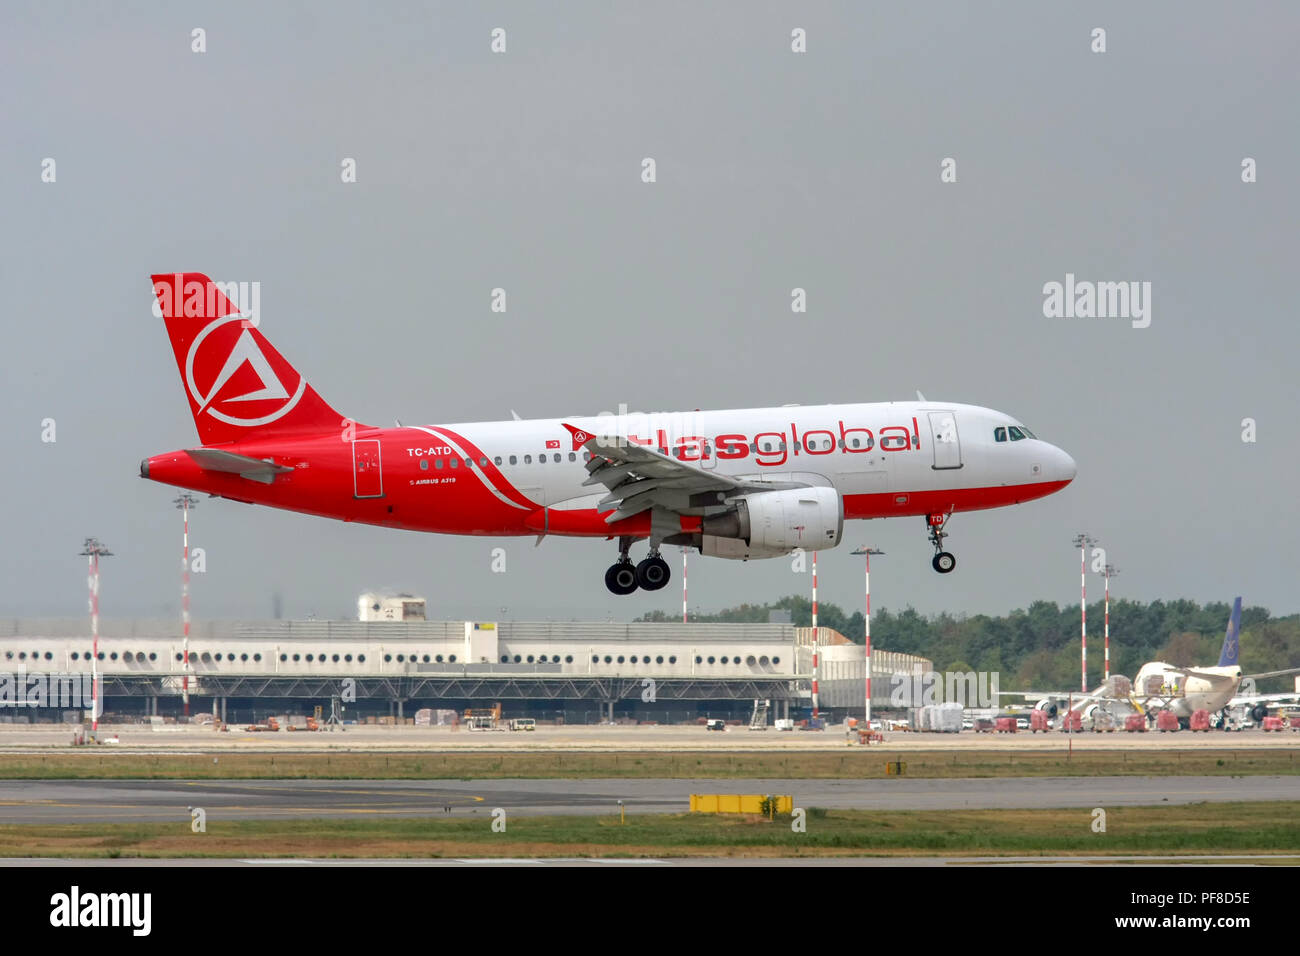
(741, 484)
(1183, 690)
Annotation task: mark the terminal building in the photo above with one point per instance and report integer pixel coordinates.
(570, 672)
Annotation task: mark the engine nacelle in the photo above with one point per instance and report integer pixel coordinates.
(807, 518)
(771, 524)
(1048, 706)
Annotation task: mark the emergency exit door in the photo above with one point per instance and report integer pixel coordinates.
(367, 475)
(944, 440)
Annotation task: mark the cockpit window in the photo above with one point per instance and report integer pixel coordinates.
(999, 434)
(1028, 433)
(1016, 433)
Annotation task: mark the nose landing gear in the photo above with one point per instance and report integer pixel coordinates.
(943, 561)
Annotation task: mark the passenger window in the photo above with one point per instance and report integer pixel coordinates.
(541, 459)
(573, 456)
(514, 460)
(999, 434)
(557, 457)
(455, 463)
(496, 460)
(424, 464)
(483, 462)
(469, 462)
(1016, 433)
(528, 459)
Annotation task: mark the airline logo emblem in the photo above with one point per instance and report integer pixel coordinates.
(552, 443)
(579, 438)
(230, 378)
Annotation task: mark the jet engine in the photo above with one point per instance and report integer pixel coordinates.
(770, 524)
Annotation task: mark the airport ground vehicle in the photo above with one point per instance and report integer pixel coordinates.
(715, 724)
(523, 723)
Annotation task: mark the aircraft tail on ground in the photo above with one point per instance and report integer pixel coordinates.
(1231, 640)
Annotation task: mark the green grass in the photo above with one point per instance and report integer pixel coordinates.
(858, 763)
(1265, 827)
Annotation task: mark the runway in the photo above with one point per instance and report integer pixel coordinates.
(98, 801)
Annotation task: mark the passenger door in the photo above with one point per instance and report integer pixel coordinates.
(944, 440)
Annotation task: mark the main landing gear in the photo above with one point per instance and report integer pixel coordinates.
(623, 577)
(943, 561)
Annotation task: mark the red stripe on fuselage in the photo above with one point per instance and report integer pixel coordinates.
(900, 503)
(493, 473)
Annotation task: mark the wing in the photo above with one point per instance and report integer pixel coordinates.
(638, 478)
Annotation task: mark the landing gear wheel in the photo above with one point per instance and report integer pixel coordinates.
(652, 573)
(943, 561)
(621, 578)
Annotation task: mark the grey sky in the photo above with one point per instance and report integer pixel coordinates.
(775, 170)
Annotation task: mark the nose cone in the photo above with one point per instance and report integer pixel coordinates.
(1063, 467)
(144, 468)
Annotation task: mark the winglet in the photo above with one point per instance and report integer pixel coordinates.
(580, 437)
(1231, 639)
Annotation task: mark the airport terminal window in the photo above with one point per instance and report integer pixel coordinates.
(659, 659)
(49, 656)
(698, 659)
(336, 658)
(452, 658)
(1016, 433)
(74, 655)
(22, 655)
(438, 658)
(9, 655)
(256, 658)
(309, 658)
(244, 657)
(401, 658)
(388, 658)
(530, 658)
(711, 660)
(595, 659)
(283, 657)
(518, 660)
(568, 658)
(750, 660)
(607, 659)
(620, 659)
(776, 660)
(361, 658)
(505, 658)
(101, 655)
(763, 660)
(672, 660)
(999, 434)
(426, 658)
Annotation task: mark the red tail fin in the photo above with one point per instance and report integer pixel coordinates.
(238, 385)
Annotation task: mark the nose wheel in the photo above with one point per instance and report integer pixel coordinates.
(943, 561)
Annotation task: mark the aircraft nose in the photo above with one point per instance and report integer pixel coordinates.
(1064, 465)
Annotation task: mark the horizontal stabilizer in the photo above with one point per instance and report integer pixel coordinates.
(254, 469)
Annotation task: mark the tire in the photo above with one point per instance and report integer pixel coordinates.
(653, 574)
(944, 562)
(621, 578)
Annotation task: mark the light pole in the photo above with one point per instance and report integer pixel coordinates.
(1083, 542)
(94, 551)
(1111, 571)
(185, 502)
(816, 643)
(867, 553)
